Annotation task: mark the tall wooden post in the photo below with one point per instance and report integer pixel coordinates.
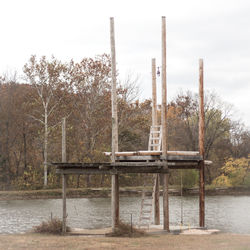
(64, 177)
(64, 140)
(164, 127)
(154, 123)
(154, 95)
(64, 186)
(201, 144)
(115, 177)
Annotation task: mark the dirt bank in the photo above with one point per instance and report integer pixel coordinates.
(105, 192)
(207, 242)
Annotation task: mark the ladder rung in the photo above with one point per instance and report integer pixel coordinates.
(155, 138)
(152, 145)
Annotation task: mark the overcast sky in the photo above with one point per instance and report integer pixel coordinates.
(216, 30)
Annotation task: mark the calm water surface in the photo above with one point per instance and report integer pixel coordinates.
(227, 213)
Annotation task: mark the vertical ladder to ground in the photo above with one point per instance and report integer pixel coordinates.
(146, 204)
(147, 201)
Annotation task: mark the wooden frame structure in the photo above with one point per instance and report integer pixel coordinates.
(155, 162)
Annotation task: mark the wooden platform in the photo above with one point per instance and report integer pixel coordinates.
(109, 168)
(135, 162)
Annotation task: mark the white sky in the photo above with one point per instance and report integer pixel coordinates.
(216, 30)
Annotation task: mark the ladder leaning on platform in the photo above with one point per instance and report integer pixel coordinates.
(155, 136)
(147, 201)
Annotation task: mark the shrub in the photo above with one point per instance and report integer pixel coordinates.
(237, 170)
(125, 230)
(236, 173)
(222, 181)
(53, 226)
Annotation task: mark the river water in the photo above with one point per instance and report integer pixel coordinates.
(226, 213)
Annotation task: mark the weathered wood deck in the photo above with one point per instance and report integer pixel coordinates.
(134, 162)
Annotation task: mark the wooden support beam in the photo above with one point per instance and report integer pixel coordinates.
(159, 157)
(202, 194)
(156, 193)
(184, 157)
(164, 90)
(141, 152)
(115, 178)
(157, 200)
(184, 167)
(139, 164)
(64, 184)
(201, 145)
(115, 201)
(165, 203)
(113, 170)
(64, 177)
(114, 94)
(126, 170)
(135, 161)
(154, 96)
(64, 140)
(201, 111)
(164, 126)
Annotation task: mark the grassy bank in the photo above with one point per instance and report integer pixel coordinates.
(53, 193)
(105, 192)
(207, 242)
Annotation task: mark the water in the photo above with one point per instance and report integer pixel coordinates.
(227, 213)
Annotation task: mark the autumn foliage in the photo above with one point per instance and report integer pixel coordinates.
(236, 172)
(31, 110)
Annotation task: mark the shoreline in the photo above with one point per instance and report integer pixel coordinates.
(165, 241)
(105, 192)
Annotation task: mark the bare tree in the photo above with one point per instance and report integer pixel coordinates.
(218, 126)
(50, 80)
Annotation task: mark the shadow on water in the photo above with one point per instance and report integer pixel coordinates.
(227, 213)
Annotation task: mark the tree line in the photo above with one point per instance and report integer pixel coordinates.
(31, 111)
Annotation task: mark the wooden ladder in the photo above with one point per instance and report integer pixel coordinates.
(147, 201)
(154, 143)
(146, 205)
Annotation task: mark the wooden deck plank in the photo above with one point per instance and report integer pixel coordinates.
(145, 153)
(124, 167)
(159, 157)
(123, 170)
(106, 166)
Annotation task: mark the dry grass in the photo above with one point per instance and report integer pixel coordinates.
(173, 242)
(53, 226)
(125, 230)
